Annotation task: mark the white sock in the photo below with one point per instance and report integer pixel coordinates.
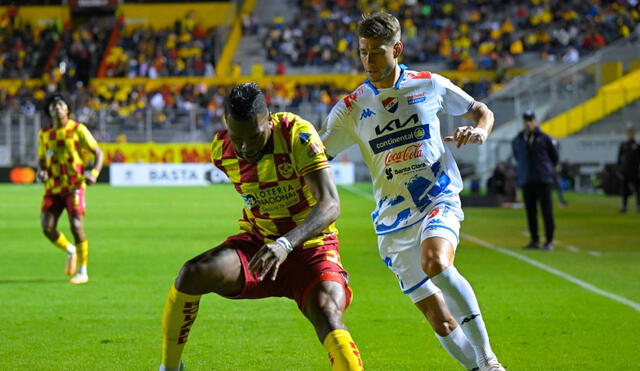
(71, 249)
(165, 368)
(463, 305)
(459, 347)
(83, 270)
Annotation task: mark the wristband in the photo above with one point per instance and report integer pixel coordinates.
(286, 245)
(94, 173)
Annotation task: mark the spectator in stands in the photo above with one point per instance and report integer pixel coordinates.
(629, 168)
(537, 157)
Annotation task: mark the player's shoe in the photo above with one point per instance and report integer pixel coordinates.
(70, 269)
(79, 279)
(491, 364)
(532, 246)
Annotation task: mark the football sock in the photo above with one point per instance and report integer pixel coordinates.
(83, 256)
(180, 311)
(458, 346)
(63, 244)
(343, 353)
(463, 305)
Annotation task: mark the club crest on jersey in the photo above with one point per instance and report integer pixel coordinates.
(286, 170)
(390, 104)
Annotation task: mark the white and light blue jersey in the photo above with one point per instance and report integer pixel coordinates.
(398, 132)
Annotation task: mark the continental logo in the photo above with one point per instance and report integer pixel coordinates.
(400, 138)
(190, 311)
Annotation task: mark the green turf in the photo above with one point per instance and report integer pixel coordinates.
(140, 237)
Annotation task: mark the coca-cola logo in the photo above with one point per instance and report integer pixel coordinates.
(408, 153)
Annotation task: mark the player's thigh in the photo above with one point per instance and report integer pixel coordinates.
(50, 211)
(217, 270)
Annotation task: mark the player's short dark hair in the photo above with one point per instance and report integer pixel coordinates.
(245, 102)
(380, 25)
(53, 98)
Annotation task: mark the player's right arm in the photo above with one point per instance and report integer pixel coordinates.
(43, 174)
(334, 133)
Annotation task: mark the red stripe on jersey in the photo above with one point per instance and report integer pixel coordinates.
(315, 166)
(284, 225)
(419, 75)
(227, 147)
(265, 185)
(285, 129)
(248, 171)
(238, 187)
(300, 206)
(330, 238)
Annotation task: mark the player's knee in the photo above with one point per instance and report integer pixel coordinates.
(49, 230)
(433, 264)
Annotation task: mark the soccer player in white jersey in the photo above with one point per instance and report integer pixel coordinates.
(392, 118)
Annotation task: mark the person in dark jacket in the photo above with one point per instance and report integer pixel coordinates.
(629, 168)
(537, 157)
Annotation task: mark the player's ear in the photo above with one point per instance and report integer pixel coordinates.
(397, 49)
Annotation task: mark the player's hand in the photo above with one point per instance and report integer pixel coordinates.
(267, 260)
(466, 134)
(89, 179)
(43, 175)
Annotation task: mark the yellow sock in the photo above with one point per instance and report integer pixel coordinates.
(343, 353)
(83, 253)
(180, 312)
(62, 242)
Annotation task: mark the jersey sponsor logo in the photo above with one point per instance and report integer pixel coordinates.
(396, 124)
(433, 213)
(273, 198)
(408, 153)
(400, 138)
(390, 104)
(405, 170)
(416, 98)
(366, 113)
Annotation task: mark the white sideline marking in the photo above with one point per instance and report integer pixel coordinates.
(573, 248)
(556, 272)
(595, 253)
(535, 263)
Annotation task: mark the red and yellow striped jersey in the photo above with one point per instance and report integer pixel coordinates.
(276, 196)
(60, 153)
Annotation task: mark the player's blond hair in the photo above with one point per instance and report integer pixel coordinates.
(380, 25)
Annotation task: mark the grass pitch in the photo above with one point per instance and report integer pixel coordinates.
(139, 238)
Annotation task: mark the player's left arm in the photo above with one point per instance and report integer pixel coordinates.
(482, 118)
(268, 259)
(91, 174)
(88, 141)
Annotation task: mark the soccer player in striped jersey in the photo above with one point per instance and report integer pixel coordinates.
(65, 174)
(392, 117)
(288, 246)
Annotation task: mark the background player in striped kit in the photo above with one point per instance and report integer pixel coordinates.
(62, 149)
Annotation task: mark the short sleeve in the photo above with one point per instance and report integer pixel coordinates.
(86, 139)
(455, 101)
(334, 133)
(41, 149)
(307, 149)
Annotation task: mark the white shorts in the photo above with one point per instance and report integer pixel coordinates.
(401, 250)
